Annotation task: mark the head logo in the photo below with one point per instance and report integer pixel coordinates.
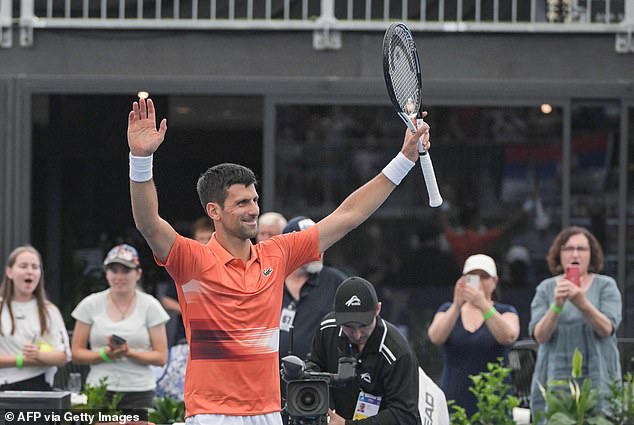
(267, 271)
(354, 300)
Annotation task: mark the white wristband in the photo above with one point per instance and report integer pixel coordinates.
(141, 168)
(398, 168)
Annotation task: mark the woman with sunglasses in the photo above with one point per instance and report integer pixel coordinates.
(577, 308)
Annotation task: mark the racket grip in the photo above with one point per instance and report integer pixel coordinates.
(435, 200)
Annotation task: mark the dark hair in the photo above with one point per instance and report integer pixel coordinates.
(554, 252)
(213, 184)
(7, 290)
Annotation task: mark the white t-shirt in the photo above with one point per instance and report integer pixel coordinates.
(122, 374)
(27, 330)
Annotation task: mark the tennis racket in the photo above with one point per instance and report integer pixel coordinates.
(401, 69)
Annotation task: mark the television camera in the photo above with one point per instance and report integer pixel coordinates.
(308, 392)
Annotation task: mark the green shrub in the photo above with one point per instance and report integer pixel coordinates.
(167, 411)
(573, 402)
(494, 400)
(98, 398)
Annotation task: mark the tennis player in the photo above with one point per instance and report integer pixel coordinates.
(232, 315)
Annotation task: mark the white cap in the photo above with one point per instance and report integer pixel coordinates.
(480, 262)
(518, 253)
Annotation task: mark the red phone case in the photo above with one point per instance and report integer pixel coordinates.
(572, 274)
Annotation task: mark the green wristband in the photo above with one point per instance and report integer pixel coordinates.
(556, 309)
(104, 356)
(489, 313)
(19, 361)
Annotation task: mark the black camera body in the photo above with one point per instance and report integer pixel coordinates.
(308, 393)
(307, 399)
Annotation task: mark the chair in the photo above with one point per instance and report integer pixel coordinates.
(522, 358)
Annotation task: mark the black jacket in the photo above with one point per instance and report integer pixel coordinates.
(387, 367)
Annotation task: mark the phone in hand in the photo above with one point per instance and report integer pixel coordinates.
(117, 340)
(473, 280)
(572, 274)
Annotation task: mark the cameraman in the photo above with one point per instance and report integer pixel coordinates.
(385, 390)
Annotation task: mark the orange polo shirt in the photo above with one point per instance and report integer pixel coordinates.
(231, 312)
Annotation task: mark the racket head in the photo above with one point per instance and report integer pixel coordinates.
(401, 70)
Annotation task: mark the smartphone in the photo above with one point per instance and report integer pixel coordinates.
(117, 340)
(572, 274)
(473, 280)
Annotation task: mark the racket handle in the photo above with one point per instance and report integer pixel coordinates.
(435, 200)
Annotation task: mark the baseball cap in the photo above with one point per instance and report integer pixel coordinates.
(480, 262)
(355, 301)
(297, 224)
(123, 254)
(518, 253)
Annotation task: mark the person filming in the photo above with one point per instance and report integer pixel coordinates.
(385, 390)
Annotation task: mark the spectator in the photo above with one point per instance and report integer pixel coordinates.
(309, 293)
(565, 316)
(130, 314)
(201, 232)
(270, 224)
(473, 329)
(233, 315)
(33, 337)
(386, 367)
(425, 257)
(469, 238)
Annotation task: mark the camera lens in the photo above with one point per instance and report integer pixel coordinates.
(308, 398)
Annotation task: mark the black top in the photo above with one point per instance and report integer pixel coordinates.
(387, 367)
(467, 353)
(316, 299)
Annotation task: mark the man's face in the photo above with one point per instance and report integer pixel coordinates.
(266, 231)
(241, 210)
(358, 333)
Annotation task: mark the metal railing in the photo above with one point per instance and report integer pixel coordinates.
(327, 17)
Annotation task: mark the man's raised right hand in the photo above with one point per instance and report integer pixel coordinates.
(143, 136)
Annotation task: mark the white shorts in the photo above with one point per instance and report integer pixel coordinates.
(266, 419)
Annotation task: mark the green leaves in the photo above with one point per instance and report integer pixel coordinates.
(167, 410)
(571, 401)
(98, 398)
(621, 401)
(574, 401)
(577, 363)
(493, 398)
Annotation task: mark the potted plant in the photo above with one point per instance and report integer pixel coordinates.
(575, 401)
(495, 402)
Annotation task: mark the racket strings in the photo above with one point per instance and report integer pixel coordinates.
(403, 72)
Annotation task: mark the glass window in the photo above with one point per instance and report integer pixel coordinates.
(594, 174)
(489, 162)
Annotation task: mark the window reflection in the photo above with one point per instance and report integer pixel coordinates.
(594, 174)
(489, 159)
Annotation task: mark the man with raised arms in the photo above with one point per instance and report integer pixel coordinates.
(232, 313)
